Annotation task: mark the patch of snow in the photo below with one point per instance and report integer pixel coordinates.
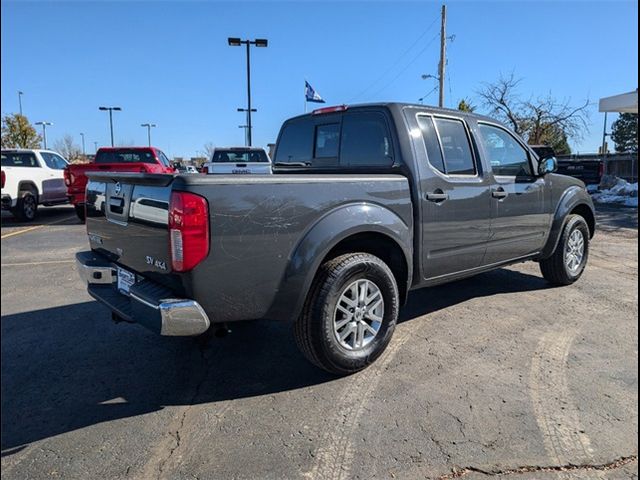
(619, 192)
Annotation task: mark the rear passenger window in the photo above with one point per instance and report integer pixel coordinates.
(430, 138)
(365, 140)
(456, 150)
(327, 140)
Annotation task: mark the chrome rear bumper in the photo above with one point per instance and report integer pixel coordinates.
(145, 303)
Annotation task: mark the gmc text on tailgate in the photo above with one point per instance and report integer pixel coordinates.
(365, 204)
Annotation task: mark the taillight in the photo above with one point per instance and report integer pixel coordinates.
(67, 180)
(601, 169)
(188, 230)
(205, 170)
(4, 178)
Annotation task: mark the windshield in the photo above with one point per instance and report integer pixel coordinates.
(236, 156)
(125, 156)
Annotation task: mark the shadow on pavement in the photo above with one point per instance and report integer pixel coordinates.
(69, 367)
(65, 214)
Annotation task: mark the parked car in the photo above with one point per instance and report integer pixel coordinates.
(113, 159)
(589, 171)
(31, 178)
(238, 160)
(365, 204)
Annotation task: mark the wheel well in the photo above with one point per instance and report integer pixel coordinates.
(22, 186)
(585, 212)
(382, 247)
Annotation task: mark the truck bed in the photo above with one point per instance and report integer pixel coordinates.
(258, 224)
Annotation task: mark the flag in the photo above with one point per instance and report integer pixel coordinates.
(310, 94)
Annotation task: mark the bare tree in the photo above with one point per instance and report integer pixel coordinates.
(539, 120)
(207, 150)
(67, 147)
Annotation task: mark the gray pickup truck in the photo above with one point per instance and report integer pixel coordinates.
(365, 204)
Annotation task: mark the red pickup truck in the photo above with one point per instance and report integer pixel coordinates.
(116, 159)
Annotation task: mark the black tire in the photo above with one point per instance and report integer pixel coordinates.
(555, 269)
(80, 212)
(314, 329)
(26, 207)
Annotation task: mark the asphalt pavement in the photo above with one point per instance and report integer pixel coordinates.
(498, 375)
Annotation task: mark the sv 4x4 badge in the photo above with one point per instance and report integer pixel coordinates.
(156, 263)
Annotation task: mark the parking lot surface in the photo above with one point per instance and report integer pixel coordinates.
(498, 375)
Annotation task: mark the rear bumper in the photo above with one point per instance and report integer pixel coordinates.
(148, 303)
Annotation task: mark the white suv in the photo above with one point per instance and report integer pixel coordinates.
(31, 178)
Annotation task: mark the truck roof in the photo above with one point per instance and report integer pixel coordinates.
(403, 105)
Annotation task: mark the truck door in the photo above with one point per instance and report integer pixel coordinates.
(455, 199)
(519, 207)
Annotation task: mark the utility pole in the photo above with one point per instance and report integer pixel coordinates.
(83, 150)
(443, 55)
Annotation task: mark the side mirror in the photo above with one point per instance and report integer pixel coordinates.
(547, 165)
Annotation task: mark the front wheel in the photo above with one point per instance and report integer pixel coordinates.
(350, 313)
(569, 259)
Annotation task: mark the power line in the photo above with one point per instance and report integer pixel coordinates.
(406, 66)
(398, 60)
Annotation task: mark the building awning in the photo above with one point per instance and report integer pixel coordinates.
(624, 103)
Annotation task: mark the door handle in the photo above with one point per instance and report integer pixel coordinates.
(499, 193)
(437, 196)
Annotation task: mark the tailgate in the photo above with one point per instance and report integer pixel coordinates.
(589, 171)
(127, 220)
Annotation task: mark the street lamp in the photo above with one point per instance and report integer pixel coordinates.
(83, 150)
(44, 132)
(20, 100)
(258, 42)
(247, 140)
(111, 110)
(148, 125)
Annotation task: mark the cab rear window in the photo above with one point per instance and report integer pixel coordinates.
(239, 156)
(125, 156)
(19, 159)
(353, 139)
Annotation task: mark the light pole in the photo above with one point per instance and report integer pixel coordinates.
(148, 126)
(95, 147)
(44, 132)
(247, 140)
(258, 42)
(111, 110)
(20, 100)
(84, 152)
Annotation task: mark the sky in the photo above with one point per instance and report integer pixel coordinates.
(169, 63)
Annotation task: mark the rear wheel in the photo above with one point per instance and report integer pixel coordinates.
(569, 259)
(80, 212)
(26, 206)
(350, 313)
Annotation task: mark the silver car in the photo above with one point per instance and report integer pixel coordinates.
(238, 160)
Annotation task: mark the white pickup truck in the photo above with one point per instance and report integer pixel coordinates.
(238, 160)
(31, 178)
